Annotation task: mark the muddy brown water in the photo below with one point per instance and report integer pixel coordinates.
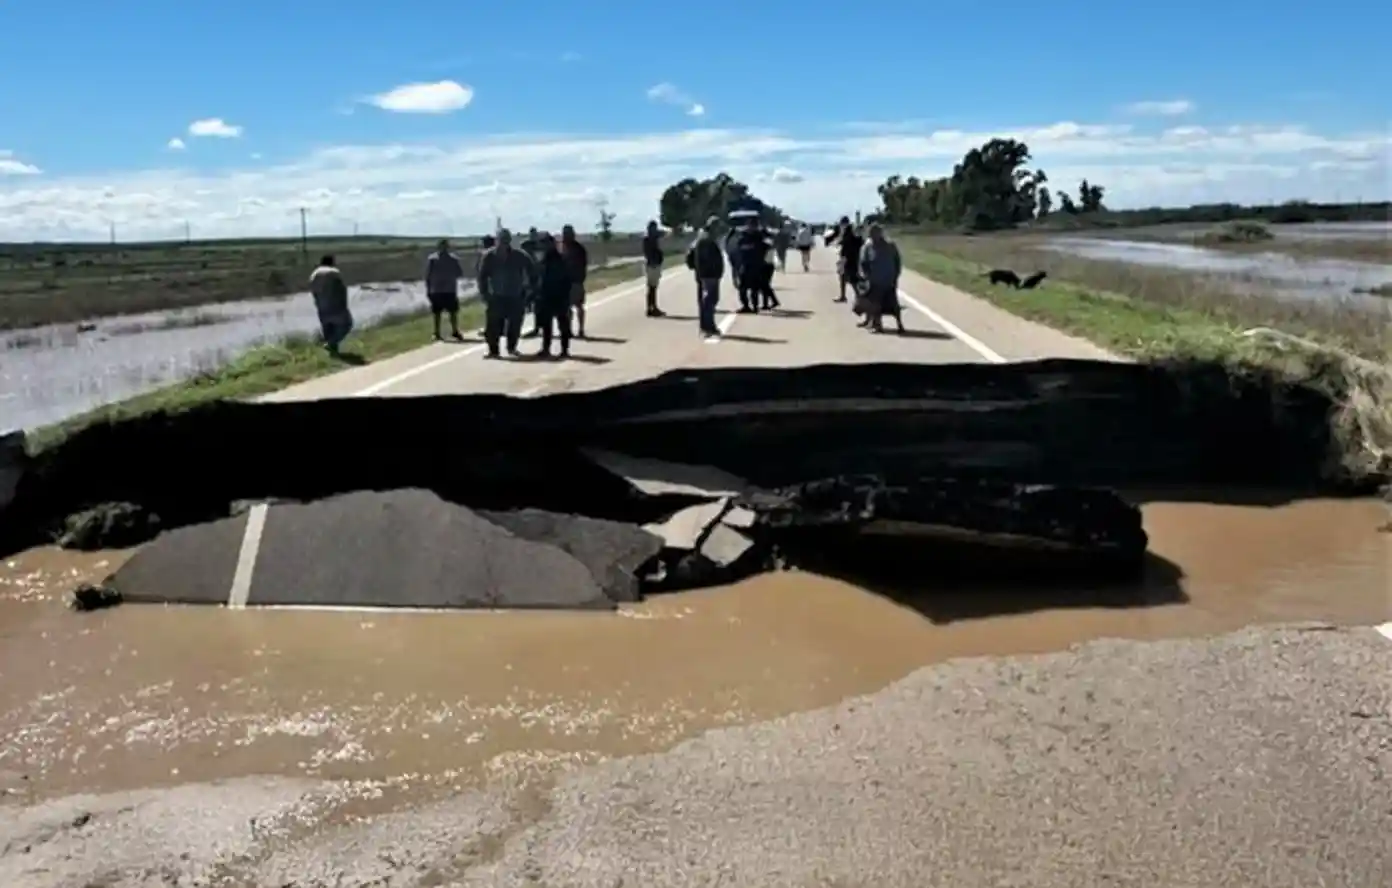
(143, 695)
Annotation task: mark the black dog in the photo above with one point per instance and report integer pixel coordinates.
(1004, 276)
(1033, 280)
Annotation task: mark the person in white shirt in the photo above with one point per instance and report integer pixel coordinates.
(803, 241)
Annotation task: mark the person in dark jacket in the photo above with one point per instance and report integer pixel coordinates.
(442, 273)
(553, 297)
(755, 270)
(531, 245)
(578, 261)
(707, 259)
(848, 257)
(505, 278)
(652, 266)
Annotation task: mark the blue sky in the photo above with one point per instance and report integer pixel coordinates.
(547, 109)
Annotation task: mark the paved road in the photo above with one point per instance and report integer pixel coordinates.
(1259, 759)
(947, 326)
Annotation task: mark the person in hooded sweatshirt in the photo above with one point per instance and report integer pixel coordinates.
(706, 259)
(331, 302)
(554, 296)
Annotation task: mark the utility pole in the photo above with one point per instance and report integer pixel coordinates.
(355, 229)
(188, 232)
(304, 233)
(113, 233)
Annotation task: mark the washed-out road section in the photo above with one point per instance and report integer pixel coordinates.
(1260, 758)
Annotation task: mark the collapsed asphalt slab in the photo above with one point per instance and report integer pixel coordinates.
(592, 498)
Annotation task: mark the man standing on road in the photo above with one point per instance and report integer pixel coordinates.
(708, 262)
(881, 265)
(577, 259)
(533, 248)
(781, 238)
(505, 278)
(804, 246)
(652, 266)
(331, 302)
(732, 254)
(442, 274)
(848, 260)
(553, 297)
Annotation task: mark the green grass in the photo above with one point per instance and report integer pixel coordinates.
(293, 360)
(1127, 326)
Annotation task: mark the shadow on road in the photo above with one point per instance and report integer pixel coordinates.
(607, 340)
(758, 340)
(920, 334)
(352, 359)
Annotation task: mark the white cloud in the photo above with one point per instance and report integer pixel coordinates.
(441, 97)
(175, 144)
(548, 180)
(13, 166)
(670, 94)
(1165, 108)
(214, 127)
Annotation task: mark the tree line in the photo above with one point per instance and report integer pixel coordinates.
(994, 187)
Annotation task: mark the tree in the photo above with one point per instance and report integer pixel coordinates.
(1090, 197)
(606, 225)
(993, 187)
(1066, 204)
(690, 202)
(1046, 203)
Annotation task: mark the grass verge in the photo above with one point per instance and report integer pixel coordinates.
(1346, 356)
(293, 360)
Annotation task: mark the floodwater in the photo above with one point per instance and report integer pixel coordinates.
(149, 695)
(48, 374)
(1272, 273)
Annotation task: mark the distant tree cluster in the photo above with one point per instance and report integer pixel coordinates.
(995, 188)
(992, 188)
(690, 202)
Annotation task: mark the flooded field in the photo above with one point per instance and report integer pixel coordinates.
(48, 374)
(142, 696)
(1271, 272)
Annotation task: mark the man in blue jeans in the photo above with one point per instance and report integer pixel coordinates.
(707, 260)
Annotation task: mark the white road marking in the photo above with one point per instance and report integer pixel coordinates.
(383, 385)
(1386, 630)
(246, 557)
(240, 590)
(953, 330)
(724, 327)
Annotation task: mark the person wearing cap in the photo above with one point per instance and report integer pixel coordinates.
(553, 299)
(652, 266)
(505, 278)
(442, 273)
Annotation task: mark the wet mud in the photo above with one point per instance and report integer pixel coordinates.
(416, 705)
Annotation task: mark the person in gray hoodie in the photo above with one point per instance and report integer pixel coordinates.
(880, 267)
(442, 273)
(506, 279)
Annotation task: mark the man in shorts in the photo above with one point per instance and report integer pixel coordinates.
(652, 266)
(577, 259)
(442, 273)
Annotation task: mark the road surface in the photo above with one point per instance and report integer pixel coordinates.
(1257, 759)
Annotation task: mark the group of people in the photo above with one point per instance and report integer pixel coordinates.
(545, 276)
(752, 253)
